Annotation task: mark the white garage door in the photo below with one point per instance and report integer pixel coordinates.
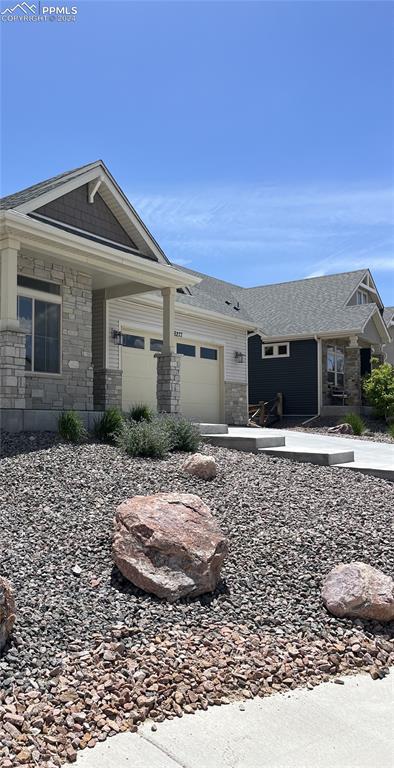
(200, 375)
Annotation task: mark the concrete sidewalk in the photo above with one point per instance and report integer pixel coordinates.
(332, 726)
(369, 457)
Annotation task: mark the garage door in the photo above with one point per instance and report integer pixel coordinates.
(200, 375)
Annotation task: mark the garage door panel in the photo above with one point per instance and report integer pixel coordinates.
(200, 380)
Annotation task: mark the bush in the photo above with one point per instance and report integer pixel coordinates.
(379, 390)
(144, 438)
(140, 412)
(109, 425)
(184, 436)
(391, 431)
(356, 422)
(71, 428)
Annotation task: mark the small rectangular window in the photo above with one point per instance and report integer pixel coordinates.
(156, 345)
(38, 285)
(276, 350)
(362, 297)
(136, 342)
(186, 349)
(207, 353)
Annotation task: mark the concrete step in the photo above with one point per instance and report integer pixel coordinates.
(213, 429)
(244, 443)
(310, 456)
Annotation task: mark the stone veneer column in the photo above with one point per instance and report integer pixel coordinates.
(168, 382)
(12, 369)
(107, 389)
(353, 375)
(236, 403)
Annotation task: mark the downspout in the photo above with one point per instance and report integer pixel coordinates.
(319, 381)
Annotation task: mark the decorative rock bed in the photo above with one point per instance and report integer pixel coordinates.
(92, 655)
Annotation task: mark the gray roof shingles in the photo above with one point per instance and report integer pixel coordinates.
(300, 307)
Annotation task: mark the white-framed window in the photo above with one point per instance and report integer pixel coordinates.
(361, 297)
(39, 314)
(336, 366)
(275, 350)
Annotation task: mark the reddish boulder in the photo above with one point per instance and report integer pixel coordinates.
(7, 611)
(357, 590)
(201, 466)
(168, 544)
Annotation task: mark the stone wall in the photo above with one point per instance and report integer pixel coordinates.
(73, 387)
(168, 382)
(352, 372)
(12, 369)
(107, 389)
(235, 403)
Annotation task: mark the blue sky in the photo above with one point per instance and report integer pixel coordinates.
(254, 138)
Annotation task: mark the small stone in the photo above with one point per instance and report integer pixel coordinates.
(338, 681)
(76, 570)
(153, 727)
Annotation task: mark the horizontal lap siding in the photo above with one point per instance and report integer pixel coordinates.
(143, 317)
(295, 376)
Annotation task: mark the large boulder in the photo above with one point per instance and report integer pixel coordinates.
(7, 611)
(359, 591)
(201, 466)
(168, 544)
(341, 429)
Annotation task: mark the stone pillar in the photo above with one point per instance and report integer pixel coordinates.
(236, 403)
(353, 375)
(107, 389)
(168, 382)
(12, 339)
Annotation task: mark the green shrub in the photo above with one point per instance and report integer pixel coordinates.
(140, 412)
(144, 438)
(184, 436)
(391, 431)
(71, 428)
(356, 422)
(109, 425)
(379, 390)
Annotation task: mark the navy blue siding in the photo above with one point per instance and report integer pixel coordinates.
(295, 376)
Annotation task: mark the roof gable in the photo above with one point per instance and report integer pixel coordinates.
(98, 178)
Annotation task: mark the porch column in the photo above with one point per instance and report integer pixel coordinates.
(168, 362)
(353, 372)
(12, 338)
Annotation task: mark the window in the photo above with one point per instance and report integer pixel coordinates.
(186, 349)
(276, 350)
(136, 342)
(38, 285)
(362, 297)
(40, 320)
(336, 366)
(207, 353)
(156, 345)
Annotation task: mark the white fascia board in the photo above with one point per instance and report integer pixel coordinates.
(301, 337)
(187, 309)
(97, 170)
(379, 322)
(84, 252)
(365, 287)
(61, 189)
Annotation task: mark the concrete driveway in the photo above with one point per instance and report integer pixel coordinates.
(369, 456)
(332, 726)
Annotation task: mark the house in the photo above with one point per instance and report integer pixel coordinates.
(388, 315)
(93, 315)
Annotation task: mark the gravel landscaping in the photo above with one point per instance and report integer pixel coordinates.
(92, 655)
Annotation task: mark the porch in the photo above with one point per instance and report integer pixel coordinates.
(344, 363)
(54, 290)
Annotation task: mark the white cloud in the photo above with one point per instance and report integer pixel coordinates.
(252, 234)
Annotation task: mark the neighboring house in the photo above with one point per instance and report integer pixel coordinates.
(93, 315)
(88, 299)
(388, 315)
